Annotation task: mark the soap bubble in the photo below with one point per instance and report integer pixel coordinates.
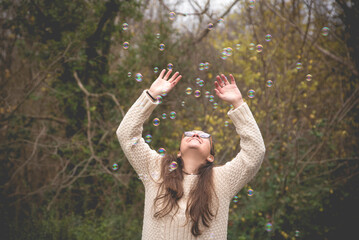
(269, 83)
(115, 166)
(226, 123)
(259, 48)
(201, 66)
(298, 65)
(188, 91)
(158, 35)
(162, 47)
(268, 37)
(309, 77)
(156, 122)
(129, 74)
(251, 93)
(159, 100)
(172, 16)
(161, 151)
(148, 138)
(126, 45)
(139, 77)
(197, 80)
(297, 233)
(229, 51)
(220, 21)
(224, 55)
(197, 93)
(251, 46)
(211, 98)
(215, 105)
(210, 26)
(173, 115)
(251, 3)
(250, 192)
(238, 46)
(164, 115)
(201, 83)
(173, 166)
(155, 69)
(134, 141)
(269, 226)
(235, 199)
(164, 92)
(325, 31)
(183, 103)
(206, 65)
(169, 66)
(207, 94)
(124, 26)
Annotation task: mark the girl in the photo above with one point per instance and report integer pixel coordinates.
(186, 197)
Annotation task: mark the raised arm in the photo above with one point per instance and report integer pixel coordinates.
(129, 133)
(240, 170)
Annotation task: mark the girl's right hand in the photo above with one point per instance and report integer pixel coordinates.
(162, 85)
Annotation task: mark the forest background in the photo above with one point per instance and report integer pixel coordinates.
(70, 70)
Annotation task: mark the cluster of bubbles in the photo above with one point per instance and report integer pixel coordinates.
(251, 3)
(162, 47)
(298, 65)
(226, 52)
(268, 38)
(199, 82)
(169, 66)
(138, 77)
(308, 77)
(172, 16)
(250, 192)
(173, 166)
(269, 83)
(114, 166)
(251, 93)
(325, 31)
(203, 66)
(161, 151)
(124, 26)
(126, 45)
(148, 138)
(155, 69)
(269, 226)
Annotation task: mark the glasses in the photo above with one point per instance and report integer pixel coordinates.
(200, 134)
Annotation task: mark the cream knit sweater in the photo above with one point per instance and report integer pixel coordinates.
(228, 179)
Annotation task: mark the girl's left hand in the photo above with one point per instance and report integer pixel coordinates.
(228, 92)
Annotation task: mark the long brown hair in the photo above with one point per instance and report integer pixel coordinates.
(201, 198)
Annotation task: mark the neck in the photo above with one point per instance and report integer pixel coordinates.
(192, 162)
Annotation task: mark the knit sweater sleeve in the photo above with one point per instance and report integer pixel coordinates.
(241, 169)
(142, 158)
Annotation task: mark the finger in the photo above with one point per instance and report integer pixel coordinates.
(174, 77)
(168, 74)
(220, 81)
(218, 87)
(225, 80)
(232, 79)
(217, 92)
(162, 73)
(177, 80)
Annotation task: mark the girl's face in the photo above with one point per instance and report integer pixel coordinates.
(200, 144)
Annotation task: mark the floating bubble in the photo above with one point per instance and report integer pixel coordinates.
(124, 26)
(251, 3)
(183, 103)
(325, 31)
(126, 45)
(156, 122)
(251, 93)
(231, 106)
(172, 16)
(197, 93)
(148, 138)
(139, 77)
(269, 83)
(235, 199)
(215, 105)
(226, 123)
(158, 35)
(169, 66)
(162, 47)
(220, 21)
(201, 66)
(211, 98)
(164, 93)
(173, 115)
(155, 69)
(229, 51)
(129, 74)
(269, 226)
(115, 166)
(238, 46)
(206, 65)
(259, 48)
(224, 55)
(197, 80)
(161, 151)
(188, 91)
(210, 26)
(201, 83)
(308, 77)
(268, 38)
(251, 46)
(250, 192)
(211, 236)
(173, 166)
(134, 141)
(298, 65)
(159, 100)
(207, 94)
(297, 233)
(164, 115)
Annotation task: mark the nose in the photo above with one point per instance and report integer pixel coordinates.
(195, 135)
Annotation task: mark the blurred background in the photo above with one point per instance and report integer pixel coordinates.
(70, 70)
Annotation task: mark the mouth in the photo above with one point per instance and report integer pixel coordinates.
(195, 139)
